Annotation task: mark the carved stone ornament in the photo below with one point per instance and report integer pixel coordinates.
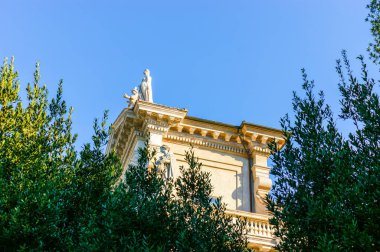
(132, 99)
(165, 160)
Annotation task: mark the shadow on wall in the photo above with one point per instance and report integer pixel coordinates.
(237, 194)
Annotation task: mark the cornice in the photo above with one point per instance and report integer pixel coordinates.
(174, 125)
(203, 142)
(146, 108)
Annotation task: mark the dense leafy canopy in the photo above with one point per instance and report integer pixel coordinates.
(55, 198)
(327, 188)
(47, 188)
(326, 194)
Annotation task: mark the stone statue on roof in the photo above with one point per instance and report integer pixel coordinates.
(146, 87)
(143, 92)
(132, 99)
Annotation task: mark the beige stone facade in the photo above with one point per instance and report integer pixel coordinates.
(236, 157)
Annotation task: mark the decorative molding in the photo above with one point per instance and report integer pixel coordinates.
(190, 139)
(158, 119)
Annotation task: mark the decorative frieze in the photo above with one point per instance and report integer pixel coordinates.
(204, 142)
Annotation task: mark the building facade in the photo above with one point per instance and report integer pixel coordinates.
(236, 156)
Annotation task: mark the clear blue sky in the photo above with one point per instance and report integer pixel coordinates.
(222, 60)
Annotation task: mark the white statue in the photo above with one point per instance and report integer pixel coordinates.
(165, 161)
(146, 87)
(133, 98)
(144, 92)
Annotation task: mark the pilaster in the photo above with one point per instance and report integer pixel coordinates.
(261, 181)
(257, 139)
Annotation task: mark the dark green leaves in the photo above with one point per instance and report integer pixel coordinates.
(326, 194)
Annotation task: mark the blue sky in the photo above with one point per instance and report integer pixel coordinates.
(222, 60)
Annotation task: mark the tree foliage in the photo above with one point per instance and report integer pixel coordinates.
(166, 214)
(47, 188)
(374, 18)
(326, 194)
(53, 197)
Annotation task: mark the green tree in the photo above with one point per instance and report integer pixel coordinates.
(90, 180)
(326, 194)
(35, 141)
(374, 18)
(149, 212)
(203, 224)
(325, 197)
(47, 189)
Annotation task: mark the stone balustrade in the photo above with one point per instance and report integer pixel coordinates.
(258, 230)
